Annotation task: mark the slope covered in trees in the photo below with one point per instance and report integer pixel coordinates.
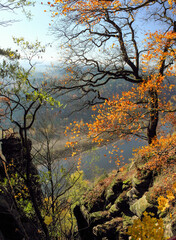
(105, 45)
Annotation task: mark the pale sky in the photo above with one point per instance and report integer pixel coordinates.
(38, 29)
(35, 29)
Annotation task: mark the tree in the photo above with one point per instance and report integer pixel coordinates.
(108, 41)
(13, 6)
(20, 101)
(62, 183)
(11, 73)
(21, 97)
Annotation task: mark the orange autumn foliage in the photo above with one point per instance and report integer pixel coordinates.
(145, 106)
(160, 154)
(95, 10)
(127, 115)
(160, 47)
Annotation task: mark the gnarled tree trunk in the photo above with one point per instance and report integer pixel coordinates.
(154, 116)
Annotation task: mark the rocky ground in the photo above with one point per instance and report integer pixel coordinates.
(114, 202)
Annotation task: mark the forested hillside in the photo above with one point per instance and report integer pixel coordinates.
(112, 92)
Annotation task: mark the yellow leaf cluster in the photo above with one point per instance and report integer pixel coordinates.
(164, 202)
(147, 228)
(48, 220)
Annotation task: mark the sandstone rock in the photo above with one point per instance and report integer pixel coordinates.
(133, 194)
(141, 183)
(114, 210)
(109, 229)
(140, 206)
(126, 184)
(114, 190)
(99, 217)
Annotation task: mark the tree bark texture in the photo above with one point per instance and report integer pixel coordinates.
(154, 116)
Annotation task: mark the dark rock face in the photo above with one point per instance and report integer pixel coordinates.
(14, 154)
(14, 225)
(9, 226)
(12, 147)
(84, 230)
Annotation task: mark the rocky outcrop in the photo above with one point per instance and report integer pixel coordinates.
(113, 203)
(15, 156)
(14, 224)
